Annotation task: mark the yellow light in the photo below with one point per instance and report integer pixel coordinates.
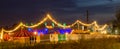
(104, 32)
(72, 32)
(74, 23)
(35, 33)
(56, 22)
(102, 28)
(14, 28)
(1, 34)
(49, 27)
(84, 23)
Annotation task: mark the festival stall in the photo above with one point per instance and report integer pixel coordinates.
(22, 36)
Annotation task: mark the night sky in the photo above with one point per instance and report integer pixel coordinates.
(32, 11)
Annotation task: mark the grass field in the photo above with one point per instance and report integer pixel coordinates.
(104, 43)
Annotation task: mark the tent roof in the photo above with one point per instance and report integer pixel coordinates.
(23, 33)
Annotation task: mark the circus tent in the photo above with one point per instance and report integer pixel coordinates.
(23, 33)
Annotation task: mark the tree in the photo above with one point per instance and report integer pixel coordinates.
(116, 22)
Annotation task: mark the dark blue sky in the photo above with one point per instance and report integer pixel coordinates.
(32, 11)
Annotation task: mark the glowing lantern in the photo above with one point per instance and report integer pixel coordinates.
(45, 23)
(64, 24)
(53, 24)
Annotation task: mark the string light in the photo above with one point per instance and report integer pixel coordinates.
(56, 22)
(102, 28)
(14, 28)
(37, 23)
(84, 23)
(1, 34)
(72, 32)
(74, 23)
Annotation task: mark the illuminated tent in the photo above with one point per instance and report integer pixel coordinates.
(26, 34)
(23, 33)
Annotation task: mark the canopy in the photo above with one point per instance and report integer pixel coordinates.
(23, 33)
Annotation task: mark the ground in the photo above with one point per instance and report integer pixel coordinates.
(104, 43)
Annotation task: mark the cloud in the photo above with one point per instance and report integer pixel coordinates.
(68, 9)
(89, 3)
